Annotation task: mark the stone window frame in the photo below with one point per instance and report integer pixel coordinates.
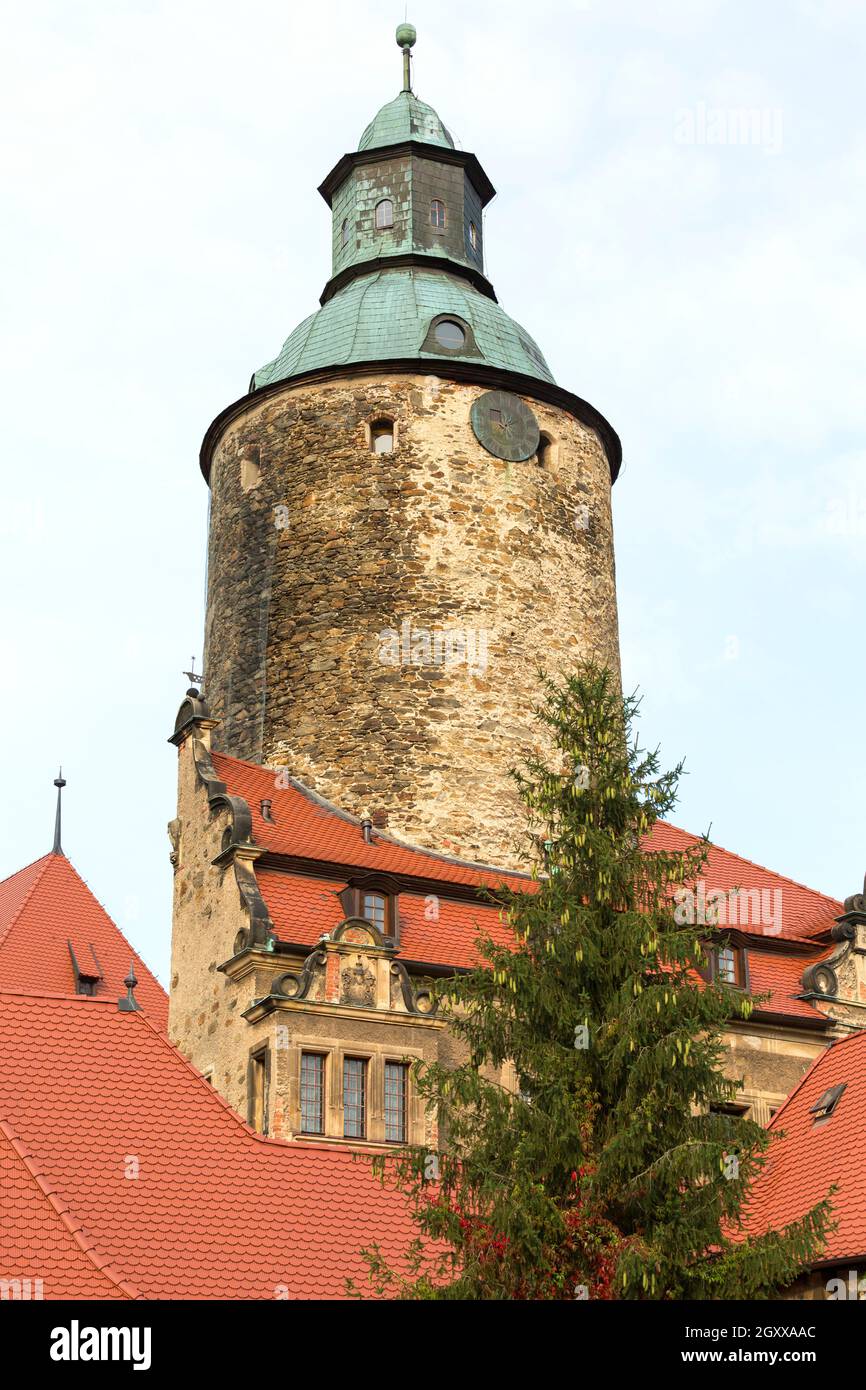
(377, 418)
(547, 454)
(259, 1053)
(335, 1050)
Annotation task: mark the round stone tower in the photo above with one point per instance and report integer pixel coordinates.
(409, 516)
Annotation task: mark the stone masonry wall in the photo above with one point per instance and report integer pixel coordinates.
(318, 546)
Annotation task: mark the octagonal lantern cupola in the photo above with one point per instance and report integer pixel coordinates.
(407, 277)
(407, 192)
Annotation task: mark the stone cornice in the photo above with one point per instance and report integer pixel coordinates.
(474, 373)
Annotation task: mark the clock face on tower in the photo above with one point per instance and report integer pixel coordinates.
(505, 426)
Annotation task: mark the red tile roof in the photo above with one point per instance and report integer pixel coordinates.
(308, 827)
(433, 930)
(216, 1211)
(781, 977)
(40, 1239)
(804, 1163)
(45, 906)
(304, 907)
(805, 913)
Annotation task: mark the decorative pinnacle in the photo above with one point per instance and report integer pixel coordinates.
(130, 1004)
(60, 783)
(406, 36)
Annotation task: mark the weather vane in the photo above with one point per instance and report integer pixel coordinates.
(191, 675)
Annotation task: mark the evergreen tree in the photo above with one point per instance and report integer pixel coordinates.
(610, 1171)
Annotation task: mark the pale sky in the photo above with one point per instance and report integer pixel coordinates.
(682, 197)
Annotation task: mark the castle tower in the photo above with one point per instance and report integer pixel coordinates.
(409, 516)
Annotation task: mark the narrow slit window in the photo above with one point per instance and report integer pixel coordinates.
(382, 436)
(384, 214)
(544, 453)
(396, 1096)
(258, 1081)
(473, 236)
(312, 1093)
(354, 1097)
(344, 233)
(437, 213)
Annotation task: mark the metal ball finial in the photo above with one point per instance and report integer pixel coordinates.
(406, 35)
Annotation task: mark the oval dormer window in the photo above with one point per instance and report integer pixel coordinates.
(449, 334)
(473, 236)
(384, 214)
(344, 233)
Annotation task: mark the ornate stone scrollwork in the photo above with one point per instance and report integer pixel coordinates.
(421, 1002)
(297, 986)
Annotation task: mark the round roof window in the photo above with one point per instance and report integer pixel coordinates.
(450, 334)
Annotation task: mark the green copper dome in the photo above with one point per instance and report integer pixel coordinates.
(392, 313)
(405, 118)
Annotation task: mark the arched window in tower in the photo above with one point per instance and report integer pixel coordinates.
(384, 214)
(544, 452)
(344, 233)
(382, 436)
(437, 213)
(473, 236)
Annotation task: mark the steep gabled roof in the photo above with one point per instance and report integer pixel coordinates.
(172, 1188)
(47, 906)
(809, 1157)
(806, 913)
(305, 825)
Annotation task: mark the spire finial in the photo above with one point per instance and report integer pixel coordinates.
(406, 36)
(130, 1004)
(60, 783)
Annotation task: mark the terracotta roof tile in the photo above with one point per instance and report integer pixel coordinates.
(810, 1157)
(215, 1211)
(45, 906)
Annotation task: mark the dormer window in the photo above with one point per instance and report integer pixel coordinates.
(826, 1104)
(374, 897)
(344, 233)
(450, 335)
(726, 965)
(374, 908)
(473, 236)
(384, 214)
(437, 213)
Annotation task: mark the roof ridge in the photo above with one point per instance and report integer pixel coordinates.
(31, 890)
(753, 864)
(63, 1209)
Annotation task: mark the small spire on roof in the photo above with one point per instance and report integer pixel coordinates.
(60, 783)
(406, 36)
(130, 1004)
